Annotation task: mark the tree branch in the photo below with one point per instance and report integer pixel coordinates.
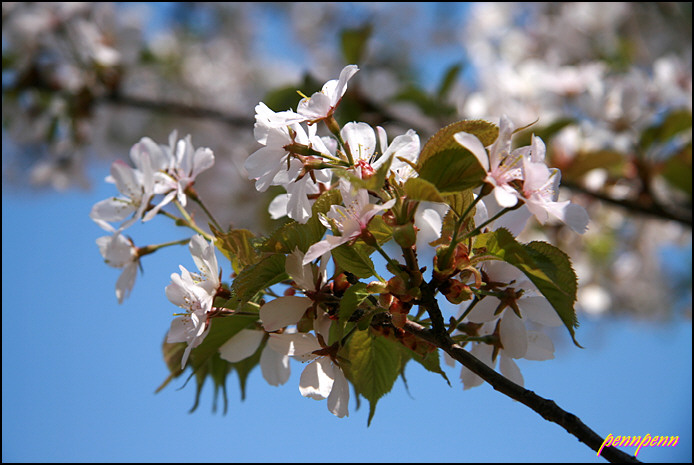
(632, 206)
(548, 409)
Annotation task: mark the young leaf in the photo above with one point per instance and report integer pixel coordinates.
(355, 260)
(443, 140)
(252, 279)
(423, 190)
(237, 246)
(374, 365)
(352, 298)
(221, 330)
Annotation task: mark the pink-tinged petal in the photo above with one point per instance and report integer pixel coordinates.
(540, 346)
(274, 366)
(510, 370)
(429, 219)
(179, 330)
(502, 145)
(514, 220)
(538, 150)
(283, 311)
(338, 400)
(317, 379)
(539, 310)
(483, 352)
(295, 345)
(505, 196)
(535, 176)
(513, 335)
(241, 346)
(126, 179)
(126, 282)
(473, 144)
(326, 245)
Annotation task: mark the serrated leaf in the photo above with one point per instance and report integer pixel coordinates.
(253, 279)
(423, 190)
(354, 259)
(292, 235)
(545, 265)
(485, 131)
(452, 170)
(380, 230)
(374, 365)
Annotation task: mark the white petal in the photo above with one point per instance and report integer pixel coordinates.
(513, 334)
(510, 370)
(317, 379)
(126, 281)
(484, 310)
(327, 244)
(338, 400)
(540, 346)
(241, 345)
(283, 311)
(278, 206)
(539, 310)
(473, 144)
(295, 345)
(275, 366)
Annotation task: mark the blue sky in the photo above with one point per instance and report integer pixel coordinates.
(79, 373)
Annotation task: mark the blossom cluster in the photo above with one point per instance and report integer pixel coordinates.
(368, 177)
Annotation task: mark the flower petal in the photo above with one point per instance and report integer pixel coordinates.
(317, 379)
(241, 345)
(283, 311)
(275, 366)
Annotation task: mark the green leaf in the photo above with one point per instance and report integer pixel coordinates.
(373, 183)
(354, 259)
(374, 365)
(452, 170)
(485, 131)
(238, 246)
(253, 279)
(354, 42)
(292, 235)
(447, 165)
(423, 190)
(352, 298)
(587, 161)
(545, 265)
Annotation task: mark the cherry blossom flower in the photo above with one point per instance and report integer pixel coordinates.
(351, 220)
(184, 164)
(322, 378)
(321, 105)
(137, 188)
(502, 165)
(195, 293)
(541, 190)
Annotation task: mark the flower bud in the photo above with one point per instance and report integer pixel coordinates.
(405, 235)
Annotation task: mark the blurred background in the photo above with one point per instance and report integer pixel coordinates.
(608, 86)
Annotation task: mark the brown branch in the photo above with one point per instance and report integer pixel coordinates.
(177, 108)
(632, 206)
(548, 409)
